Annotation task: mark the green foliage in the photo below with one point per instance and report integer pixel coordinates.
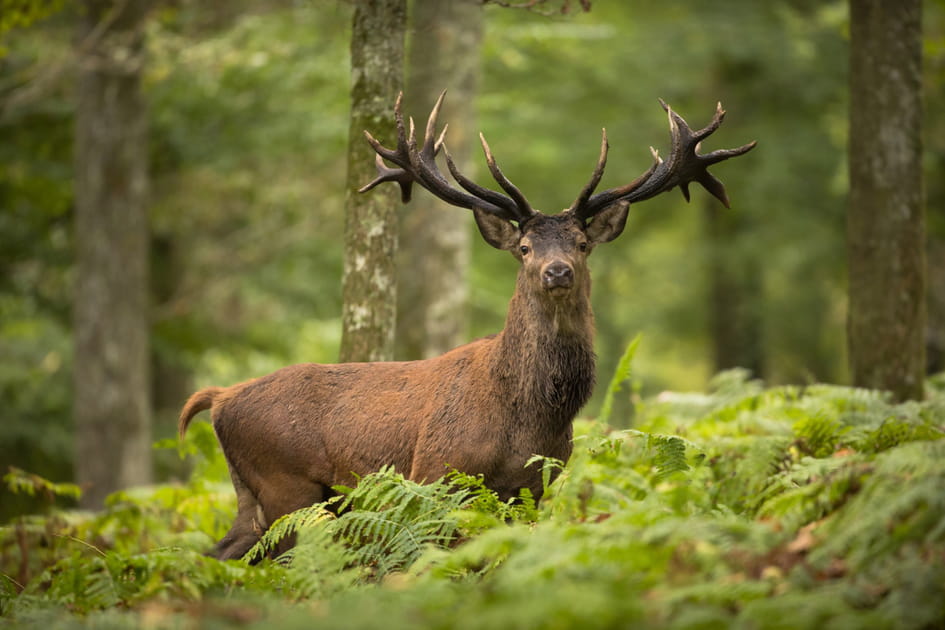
(19, 481)
(22, 13)
(745, 507)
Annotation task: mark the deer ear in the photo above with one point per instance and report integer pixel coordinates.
(608, 224)
(498, 232)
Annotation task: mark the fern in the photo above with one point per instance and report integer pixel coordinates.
(621, 375)
(669, 453)
(385, 523)
(287, 526)
(900, 503)
(895, 431)
(485, 509)
(742, 468)
(819, 435)
(392, 520)
(811, 489)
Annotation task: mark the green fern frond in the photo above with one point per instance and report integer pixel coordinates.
(819, 434)
(390, 520)
(621, 375)
(669, 452)
(288, 525)
(742, 468)
(811, 489)
(550, 467)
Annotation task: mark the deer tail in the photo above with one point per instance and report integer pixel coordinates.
(195, 404)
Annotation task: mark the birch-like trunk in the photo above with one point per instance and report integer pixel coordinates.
(369, 283)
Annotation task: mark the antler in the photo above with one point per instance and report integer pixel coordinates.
(419, 165)
(684, 165)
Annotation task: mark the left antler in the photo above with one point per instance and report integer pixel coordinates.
(417, 164)
(684, 165)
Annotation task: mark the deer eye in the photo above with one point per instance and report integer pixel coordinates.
(582, 246)
(524, 249)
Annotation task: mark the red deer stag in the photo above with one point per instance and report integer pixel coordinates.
(482, 408)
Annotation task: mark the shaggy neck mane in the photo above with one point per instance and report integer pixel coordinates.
(545, 361)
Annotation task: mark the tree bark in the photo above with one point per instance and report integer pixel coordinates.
(369, 282)
(886, 217)
(433, 259)
(111, 398)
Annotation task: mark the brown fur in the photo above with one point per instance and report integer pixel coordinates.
(483, 408)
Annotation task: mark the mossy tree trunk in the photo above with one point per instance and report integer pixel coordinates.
(369, 283)
(111, 397)
(886, 217)
(433, 260)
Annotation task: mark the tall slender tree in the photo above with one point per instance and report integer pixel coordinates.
(433, 259)
(886, 216)
(111, 403)
(735, 290)
(369, 282)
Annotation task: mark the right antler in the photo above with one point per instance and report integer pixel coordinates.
(419, 165)
(684, 165)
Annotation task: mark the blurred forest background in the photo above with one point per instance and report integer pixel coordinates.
(247, 118)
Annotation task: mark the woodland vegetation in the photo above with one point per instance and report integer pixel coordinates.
(781, 497)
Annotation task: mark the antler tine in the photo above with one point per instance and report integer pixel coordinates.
(472, 187)
(385, 174)
(522, 207)
(418, 164)
(683, 166)
(431, 143)
(588, 189)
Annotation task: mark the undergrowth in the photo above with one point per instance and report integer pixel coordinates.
(744, 507)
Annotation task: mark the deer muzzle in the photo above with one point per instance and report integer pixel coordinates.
(557, 277)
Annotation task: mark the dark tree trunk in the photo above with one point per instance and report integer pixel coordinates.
(886, 218)
(735, 288)
(369, 283)
(111, 398)
(432, 283)
(171, 378)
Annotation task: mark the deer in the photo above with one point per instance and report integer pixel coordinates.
(484, 408)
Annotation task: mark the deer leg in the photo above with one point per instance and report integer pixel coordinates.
(248, 526)
(290, 495)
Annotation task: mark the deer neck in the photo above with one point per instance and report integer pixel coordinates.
(545, 361)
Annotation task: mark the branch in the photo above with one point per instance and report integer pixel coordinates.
(538, 6)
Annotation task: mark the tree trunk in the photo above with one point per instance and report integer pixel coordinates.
(369, 283)
(886, 220)
(433, 260)
(735, 287)
(111, 400)
(171, 377)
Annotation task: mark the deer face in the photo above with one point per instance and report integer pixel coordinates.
(553, 252)
(553, 249)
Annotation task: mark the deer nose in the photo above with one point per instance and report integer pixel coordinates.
(557, 274)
